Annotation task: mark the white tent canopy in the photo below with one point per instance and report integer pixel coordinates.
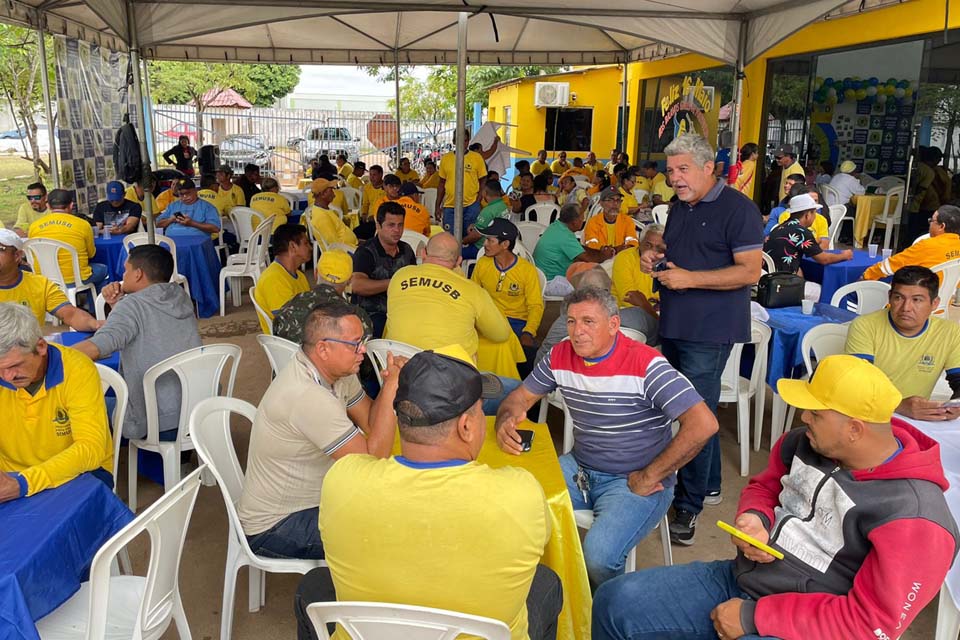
(565, 32)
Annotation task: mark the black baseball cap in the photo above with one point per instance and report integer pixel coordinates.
(442, 384)
(408, 188)
(391, 179)
(186, 183)
(501, 229)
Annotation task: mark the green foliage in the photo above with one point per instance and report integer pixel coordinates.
(273, 82)
(20, 85)
(430, 102)
(788, 97)
(721, 79)
(941, 102)
(183, 82)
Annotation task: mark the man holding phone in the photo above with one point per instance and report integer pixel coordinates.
(190, 216)
(842, 499)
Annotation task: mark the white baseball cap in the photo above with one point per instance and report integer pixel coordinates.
(10, 239)
(803, 202)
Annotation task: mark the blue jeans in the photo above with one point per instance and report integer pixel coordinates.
(621, 518)
(702, 363)
(296, 536)
(98, 273)
(469, 217)
(490, 405)
(665, 603)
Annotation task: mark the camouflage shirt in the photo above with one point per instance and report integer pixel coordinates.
(288, 323)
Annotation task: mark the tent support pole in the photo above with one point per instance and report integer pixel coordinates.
(623, 110)
(152, 132)
(146, 178)
(461, 138)
(45, 84)
(396, 89)
(738, 98)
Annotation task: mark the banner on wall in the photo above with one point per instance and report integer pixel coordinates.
(684, 108)
(92, 100)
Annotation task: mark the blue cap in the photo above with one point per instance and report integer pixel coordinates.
(115, 191)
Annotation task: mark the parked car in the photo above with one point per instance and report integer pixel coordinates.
(181, 129)
(239, 150)
(320, 139)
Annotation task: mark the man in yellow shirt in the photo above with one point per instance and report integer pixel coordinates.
(135, 193)
(569, 192)
(614, 159)
(328, 228)
(344, 168)
(55, 420)
(912, 348)
(591, 164)
(34, 291)
(229, 195)
(283, 279)
(786, 157)
(662, 193)
(522, 167)
(355, 179)
(269, 202)
(560, 165)
(629, 205)
(167, 197)
(430, 179)
(372, 192)
(63, 225)
(649, 177)
(942, 246)
(540, 164)
(611, 228)
(633, 289)
(32, 210)
(474, 169)
(490, 550)
(405, 173)
(210, 192)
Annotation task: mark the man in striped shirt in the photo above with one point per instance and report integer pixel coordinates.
(622, 397)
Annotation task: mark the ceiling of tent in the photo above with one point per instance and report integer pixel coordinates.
(557, 32)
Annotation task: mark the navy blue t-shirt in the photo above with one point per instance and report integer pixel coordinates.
(108, 215)
(705, 237)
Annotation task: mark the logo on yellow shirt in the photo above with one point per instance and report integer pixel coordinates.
(926, 363)
(61, 422)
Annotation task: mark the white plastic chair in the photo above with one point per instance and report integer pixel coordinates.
(352, 197)
(870, 296)
(377, 352)
(530, 233)
(42, 254)
(129, 606)
(768, 264)
(660, 213)
(292, 199)
(261, 314)
(831, 197)
(544, 212)
(242, 218)
(837, 216)
(210, 427)
(279, 351)
(100, 307)
(139, 239)
(886, 183)
(251, 265)
(733, 388)
(219, 244)
(387, 621)
(920, 238)
(199, 371)
(110, 379)
(634, 334)
(414, 239)
(584, 520)
(641, 194)
(429, 199)
(889, 219)
(948, 284)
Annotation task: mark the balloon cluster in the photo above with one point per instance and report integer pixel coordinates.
(831, 92)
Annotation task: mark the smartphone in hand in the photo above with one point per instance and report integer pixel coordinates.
(526, 439)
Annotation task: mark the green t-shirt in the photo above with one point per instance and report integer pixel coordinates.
(494, 210)
(556, 250)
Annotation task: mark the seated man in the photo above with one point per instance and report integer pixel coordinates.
(649, 177)
(482, 559)
(570, 192)
(35, 292)
(64, 225)
(344, 168)
(328, 227)
(269, 202)
(430, 178)
(612, 229)
(55, 420)
(560, 165)
(334, 271)
(190, 216)
(912, 348)
(622, 397)
(166, 198)
(229, 195)
(632, 287)
(559, 247)
(312, 414)
(372, 192)
(662, 193)
(790, 241)
(841, 499)
(391, 192)
(135, 193)
(847, 184)
(405, 173)
(209, 192)
(283, 279)
(116, 213)
(377, 260)
(249, 182)
(628, 205)
(540, 164)
(33, 209)
(942, 245)
(356, 179)
(152, 319)
(417, 217)
(820, 228)
(496, 208)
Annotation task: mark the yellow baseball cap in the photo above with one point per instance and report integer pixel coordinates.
(335, 266)
(846, 384)
(318, 185)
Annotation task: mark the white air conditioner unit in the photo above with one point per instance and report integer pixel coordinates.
(551, 94)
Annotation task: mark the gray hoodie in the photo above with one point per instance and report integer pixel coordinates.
(147, 327)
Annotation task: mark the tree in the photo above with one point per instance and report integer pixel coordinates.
(20, 84)
(788, 99)
(941, 103)
(273, 82)
(430, 102)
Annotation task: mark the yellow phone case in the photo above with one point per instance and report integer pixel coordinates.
(749, 539)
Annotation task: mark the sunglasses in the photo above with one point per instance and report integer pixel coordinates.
(35, 198)
(503, 275)
(357, 346)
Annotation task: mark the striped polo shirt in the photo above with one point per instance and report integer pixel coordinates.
(622, 405)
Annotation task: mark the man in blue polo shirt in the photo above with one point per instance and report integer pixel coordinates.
(714, 238)
(190, 216)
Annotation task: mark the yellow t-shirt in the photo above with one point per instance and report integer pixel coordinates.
(213, 197)
(73, 230)
(276, 287)
(131, 195)
(913, 364)
(328, 228)
(354, 181)
(270, 204)
(537, 167)
(410, 176)
(430, 182)
(62, 430)
(628, 277)
(36, 292)
(370, 196)
(229, 198)
(481, 529)
(595, 233)
(345, 171)
(474, 168)
(629, 202)
(558, 169)
(164, 200)
(518, 294)
(27, 216)
(430, 306)
(926, 253)
(591, 169)
(663, 190)
(820, 227)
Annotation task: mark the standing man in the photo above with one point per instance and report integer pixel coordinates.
(474, 169)
(377, 260)
(713, 241)
(32, 210)
(249, 182)
(189, 216)
(786, 157)
(613, 229)
(116, 213)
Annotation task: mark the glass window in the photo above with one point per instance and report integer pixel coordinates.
(568, 129)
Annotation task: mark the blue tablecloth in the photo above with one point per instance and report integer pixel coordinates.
(788, 325)
(49, 540)
(833, 276)
(70, 338)
(110, 253)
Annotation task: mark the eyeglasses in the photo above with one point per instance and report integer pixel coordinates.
(929, 220)
(35, 198)
(357, 346)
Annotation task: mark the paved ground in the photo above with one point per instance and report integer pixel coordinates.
(201, 573)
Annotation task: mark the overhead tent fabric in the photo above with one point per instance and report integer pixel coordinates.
(501, 32)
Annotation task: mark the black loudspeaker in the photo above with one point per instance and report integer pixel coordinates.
(208, 158)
